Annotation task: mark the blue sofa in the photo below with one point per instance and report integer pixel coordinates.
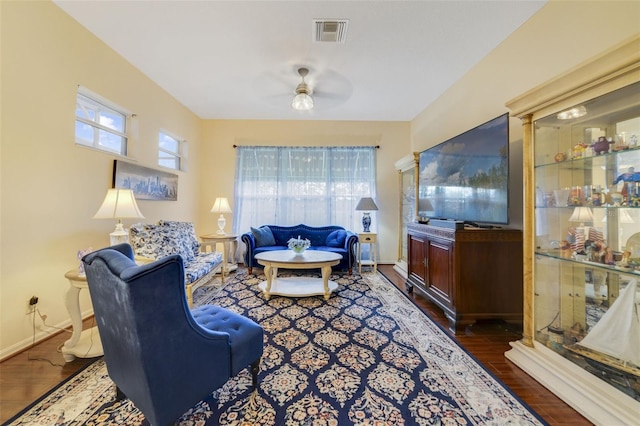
(327, 238)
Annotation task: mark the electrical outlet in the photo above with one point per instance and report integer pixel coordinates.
(31, 305)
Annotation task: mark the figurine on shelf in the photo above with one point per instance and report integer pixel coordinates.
(578, 150)
(565, 249)
(597, 196)
(624, 262)
(595, 251)
(601, 146)
(620, 144)
(559, 157)
(629, 176)
(631, 193)
(608, 256)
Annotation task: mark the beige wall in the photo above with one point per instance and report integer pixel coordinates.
(560, 36)
(219, 136)
(50, 187)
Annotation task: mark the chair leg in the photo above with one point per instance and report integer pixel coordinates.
(350, 271)
(250, 270)
(255, 369)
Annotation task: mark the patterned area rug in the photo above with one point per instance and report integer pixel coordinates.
(367, 356)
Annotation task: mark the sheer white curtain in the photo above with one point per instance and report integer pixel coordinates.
(316, 186)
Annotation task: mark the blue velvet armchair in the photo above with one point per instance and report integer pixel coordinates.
(161, 355)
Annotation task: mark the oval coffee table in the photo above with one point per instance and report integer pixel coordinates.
(298, 286)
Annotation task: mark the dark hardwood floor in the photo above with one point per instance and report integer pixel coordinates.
(30, 374)
(488, 341)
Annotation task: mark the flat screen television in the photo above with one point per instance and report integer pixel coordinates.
(466, 178)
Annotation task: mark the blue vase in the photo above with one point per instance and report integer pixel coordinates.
(366, 221)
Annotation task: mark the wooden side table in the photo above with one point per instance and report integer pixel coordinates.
(229, 247)
(371, 239)
(83, 344)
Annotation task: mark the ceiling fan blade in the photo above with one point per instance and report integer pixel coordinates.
(331, 89)
(276, 89)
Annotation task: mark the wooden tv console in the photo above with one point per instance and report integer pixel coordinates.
(470, 273)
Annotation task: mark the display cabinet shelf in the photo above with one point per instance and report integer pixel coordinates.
(579, 163)
(581, 332)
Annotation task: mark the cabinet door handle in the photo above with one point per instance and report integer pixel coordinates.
(425, 262)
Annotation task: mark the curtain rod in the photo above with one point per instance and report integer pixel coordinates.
(375, 146)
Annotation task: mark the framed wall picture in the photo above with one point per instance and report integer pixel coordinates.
(146, 183)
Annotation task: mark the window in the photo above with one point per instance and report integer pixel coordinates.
(316, 186)
(99, 125)
(168, 151)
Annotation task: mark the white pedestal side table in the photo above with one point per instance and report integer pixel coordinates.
(83, 344)
(229, 247)
(371, 239)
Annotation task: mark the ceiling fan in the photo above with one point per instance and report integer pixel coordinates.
(302, 101)
(319, 89)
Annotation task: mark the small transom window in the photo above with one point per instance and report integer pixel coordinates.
(99, 125)
(169, 151)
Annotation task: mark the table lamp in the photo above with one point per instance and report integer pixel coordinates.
(366, 204)
(425, 209)
(221, 205)
(581, 215)
(119, 204)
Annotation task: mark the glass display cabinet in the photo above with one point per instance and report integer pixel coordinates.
(588, 235)
(582, 236)
(407, 179)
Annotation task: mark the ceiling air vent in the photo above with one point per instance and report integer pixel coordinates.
(330, 30)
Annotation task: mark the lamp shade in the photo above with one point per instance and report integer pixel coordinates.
(424, 205)
(623, 216)
(118, 204)
(366, 204)
(581, 214)
(302, 102)
(221, 205)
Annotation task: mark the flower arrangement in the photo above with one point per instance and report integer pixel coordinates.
(298, 245)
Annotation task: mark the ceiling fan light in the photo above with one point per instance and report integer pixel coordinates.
(302, 102)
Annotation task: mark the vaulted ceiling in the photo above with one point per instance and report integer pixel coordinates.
(239, 59)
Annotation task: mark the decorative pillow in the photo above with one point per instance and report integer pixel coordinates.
(184, 237)
(157, 241)
(264, 236)
(336, 238)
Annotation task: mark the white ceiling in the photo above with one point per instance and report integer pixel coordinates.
(239, 59)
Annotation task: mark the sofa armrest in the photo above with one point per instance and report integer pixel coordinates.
(350, 246)
(249, 240)
(351, 240)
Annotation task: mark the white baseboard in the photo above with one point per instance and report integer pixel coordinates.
(401, 268)
(39, 337)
